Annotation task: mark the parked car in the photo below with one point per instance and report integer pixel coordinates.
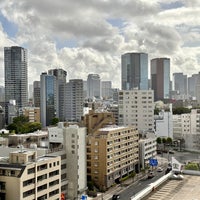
(115, 197)
(160, 169)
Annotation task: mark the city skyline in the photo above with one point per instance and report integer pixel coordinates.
(90, 37)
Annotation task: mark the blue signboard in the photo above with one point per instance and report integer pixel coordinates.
(83, 197)
(153, 162)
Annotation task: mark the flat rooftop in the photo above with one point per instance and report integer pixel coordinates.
(186, 189)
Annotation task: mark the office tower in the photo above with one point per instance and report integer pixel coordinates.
(74, 100)
(47, 98)
(191, 85)
(2, 94)
(2, 117)
(93, 86)
(160, 78)
(136, 108)
(61, 76)
(180, 84)
(16, 76)
(106, 89)
(134, 71)
(36, 93)
(197, 89)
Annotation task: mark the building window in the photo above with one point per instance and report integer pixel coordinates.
(53, 192)
(28, 193)
(42, 187)
(31, 170)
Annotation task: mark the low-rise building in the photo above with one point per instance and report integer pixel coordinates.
(24, 176)
(147, 149)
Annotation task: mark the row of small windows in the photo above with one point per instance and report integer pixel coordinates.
(43, 167)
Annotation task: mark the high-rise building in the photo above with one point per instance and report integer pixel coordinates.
(180, 84)
(36, 93)
(74, 100)
(197, 89)
(93, 86)
(136, 108)
(192, 85)
(47, 98)
(106, 89)
(160, 78)
(16, 76)
(61, 76)
(134, 69)
(2, 94)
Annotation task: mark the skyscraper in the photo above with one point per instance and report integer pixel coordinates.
(47, 98)
(61, 76)
(180, 84)
(93, 86)
(134, 69)
(160, 78)
(36, 93)
(106, 88)
(192, 81)
(16, 76)
(74, 100)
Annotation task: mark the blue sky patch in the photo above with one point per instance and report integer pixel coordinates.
(116, 22)
(173, 5)
(9, 27)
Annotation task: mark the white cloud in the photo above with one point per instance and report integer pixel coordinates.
(144, 26)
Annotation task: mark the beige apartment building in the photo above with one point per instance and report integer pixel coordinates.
(33, 113)
(112, 153)
(24, 176)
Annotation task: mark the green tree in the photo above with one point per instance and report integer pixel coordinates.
(159, 140)
(22, 125)
(181, 110)
(164, 140)
(54, 121)
(169, 140)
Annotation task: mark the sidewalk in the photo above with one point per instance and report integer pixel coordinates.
(118, 188)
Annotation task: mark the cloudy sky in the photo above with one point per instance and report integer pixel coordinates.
(89, 36)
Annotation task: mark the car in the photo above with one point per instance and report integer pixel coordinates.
(150, 175)
(159, 169)
(115, 196)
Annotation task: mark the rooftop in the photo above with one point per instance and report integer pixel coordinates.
(186, 189)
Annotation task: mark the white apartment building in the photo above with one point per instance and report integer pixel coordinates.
(75, 147)
(187, 127)
(147, 149)
(164, 124)
(25, 176)
(136, 108)
(72, 140)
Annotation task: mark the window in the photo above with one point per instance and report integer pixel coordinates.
(31, 170)
(53, 192)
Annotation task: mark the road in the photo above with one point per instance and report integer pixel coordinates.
(182, 157)
(138, 186)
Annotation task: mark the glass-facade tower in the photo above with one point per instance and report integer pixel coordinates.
(47, 98)
(160, 78)
(16, 76)
(134, 71)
